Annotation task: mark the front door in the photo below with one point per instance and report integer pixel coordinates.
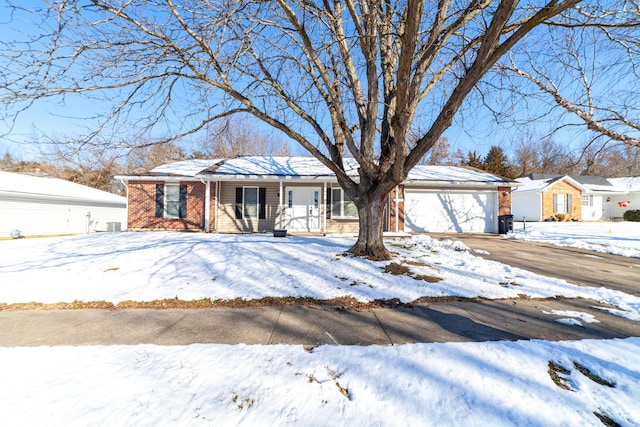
(303, 208)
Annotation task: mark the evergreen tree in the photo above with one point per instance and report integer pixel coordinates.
(473, 160)
(497, 162)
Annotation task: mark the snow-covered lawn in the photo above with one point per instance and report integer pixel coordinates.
(473, 384)
(618, 238)
(498, 383)
(116, 267)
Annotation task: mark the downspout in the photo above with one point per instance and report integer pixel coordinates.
(207, 204)
(280, 204)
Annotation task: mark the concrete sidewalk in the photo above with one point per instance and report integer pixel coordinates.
(313, 325)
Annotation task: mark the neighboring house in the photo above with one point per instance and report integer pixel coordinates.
(299, 194)
(630, 199)
(40, 206)
(542, 197)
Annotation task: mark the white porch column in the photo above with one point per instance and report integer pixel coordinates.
(280, 203)
(207, 206)
(324, 210)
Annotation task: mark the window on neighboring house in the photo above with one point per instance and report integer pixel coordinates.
(587, 200)
(250, 202)
(341, 205)
(171, 200)
(562, 203)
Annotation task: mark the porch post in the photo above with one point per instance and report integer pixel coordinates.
(207, 206)
(217, 217)
(280, 203)
(323, 212)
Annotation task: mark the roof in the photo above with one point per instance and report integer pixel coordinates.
(186, 167)
(310, 167)
(528, 184)
(594, 184)
(16, 184)
(251, 166)
(452, 174)
(629, 183)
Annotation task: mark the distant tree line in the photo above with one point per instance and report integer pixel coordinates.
(97, 167)
(232, 138)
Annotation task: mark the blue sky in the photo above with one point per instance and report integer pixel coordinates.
(473, 128)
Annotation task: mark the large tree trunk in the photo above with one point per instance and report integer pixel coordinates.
(370, 242)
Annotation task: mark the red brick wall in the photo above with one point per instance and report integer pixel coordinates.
(504, 200)
(399, 208)
(142, 205)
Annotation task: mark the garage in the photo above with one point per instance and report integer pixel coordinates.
(450, 211)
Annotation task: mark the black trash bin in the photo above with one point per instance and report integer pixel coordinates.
(505, 224)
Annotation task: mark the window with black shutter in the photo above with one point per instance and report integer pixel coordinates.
(250, 202)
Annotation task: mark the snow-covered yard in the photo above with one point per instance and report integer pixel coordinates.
(147, 266)
(473, 384)
(499, 383)
(618, 238)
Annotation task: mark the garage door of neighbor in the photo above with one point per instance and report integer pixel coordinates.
(450, 211)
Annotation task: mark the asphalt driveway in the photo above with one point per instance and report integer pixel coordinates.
(578, 266)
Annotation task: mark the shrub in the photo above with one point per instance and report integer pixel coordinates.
(632, 215)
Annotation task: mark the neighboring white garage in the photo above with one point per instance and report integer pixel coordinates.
(450, 211)
(40, 206)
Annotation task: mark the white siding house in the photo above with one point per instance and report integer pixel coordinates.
(627, 198)
(527, 205)
(41, 206)
(594, 198)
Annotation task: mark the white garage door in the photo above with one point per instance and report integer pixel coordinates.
(450, 211)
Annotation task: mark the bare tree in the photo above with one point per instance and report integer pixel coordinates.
(591, 72)
(341, 78)
(440, 153)
(544, 156)
(149, 155)
(600, 157)
(233, 137)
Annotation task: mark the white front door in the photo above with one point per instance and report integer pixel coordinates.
(302, 208)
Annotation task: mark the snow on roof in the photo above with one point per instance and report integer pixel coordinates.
(629, 183)
(591, 184)
(451, 174)
(185, 167)
(280, 166)
(528, 184)
(21, 184)
(309, 167)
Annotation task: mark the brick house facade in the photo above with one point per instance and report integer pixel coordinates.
(261, 194)
(147, 207)
(562, 200)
